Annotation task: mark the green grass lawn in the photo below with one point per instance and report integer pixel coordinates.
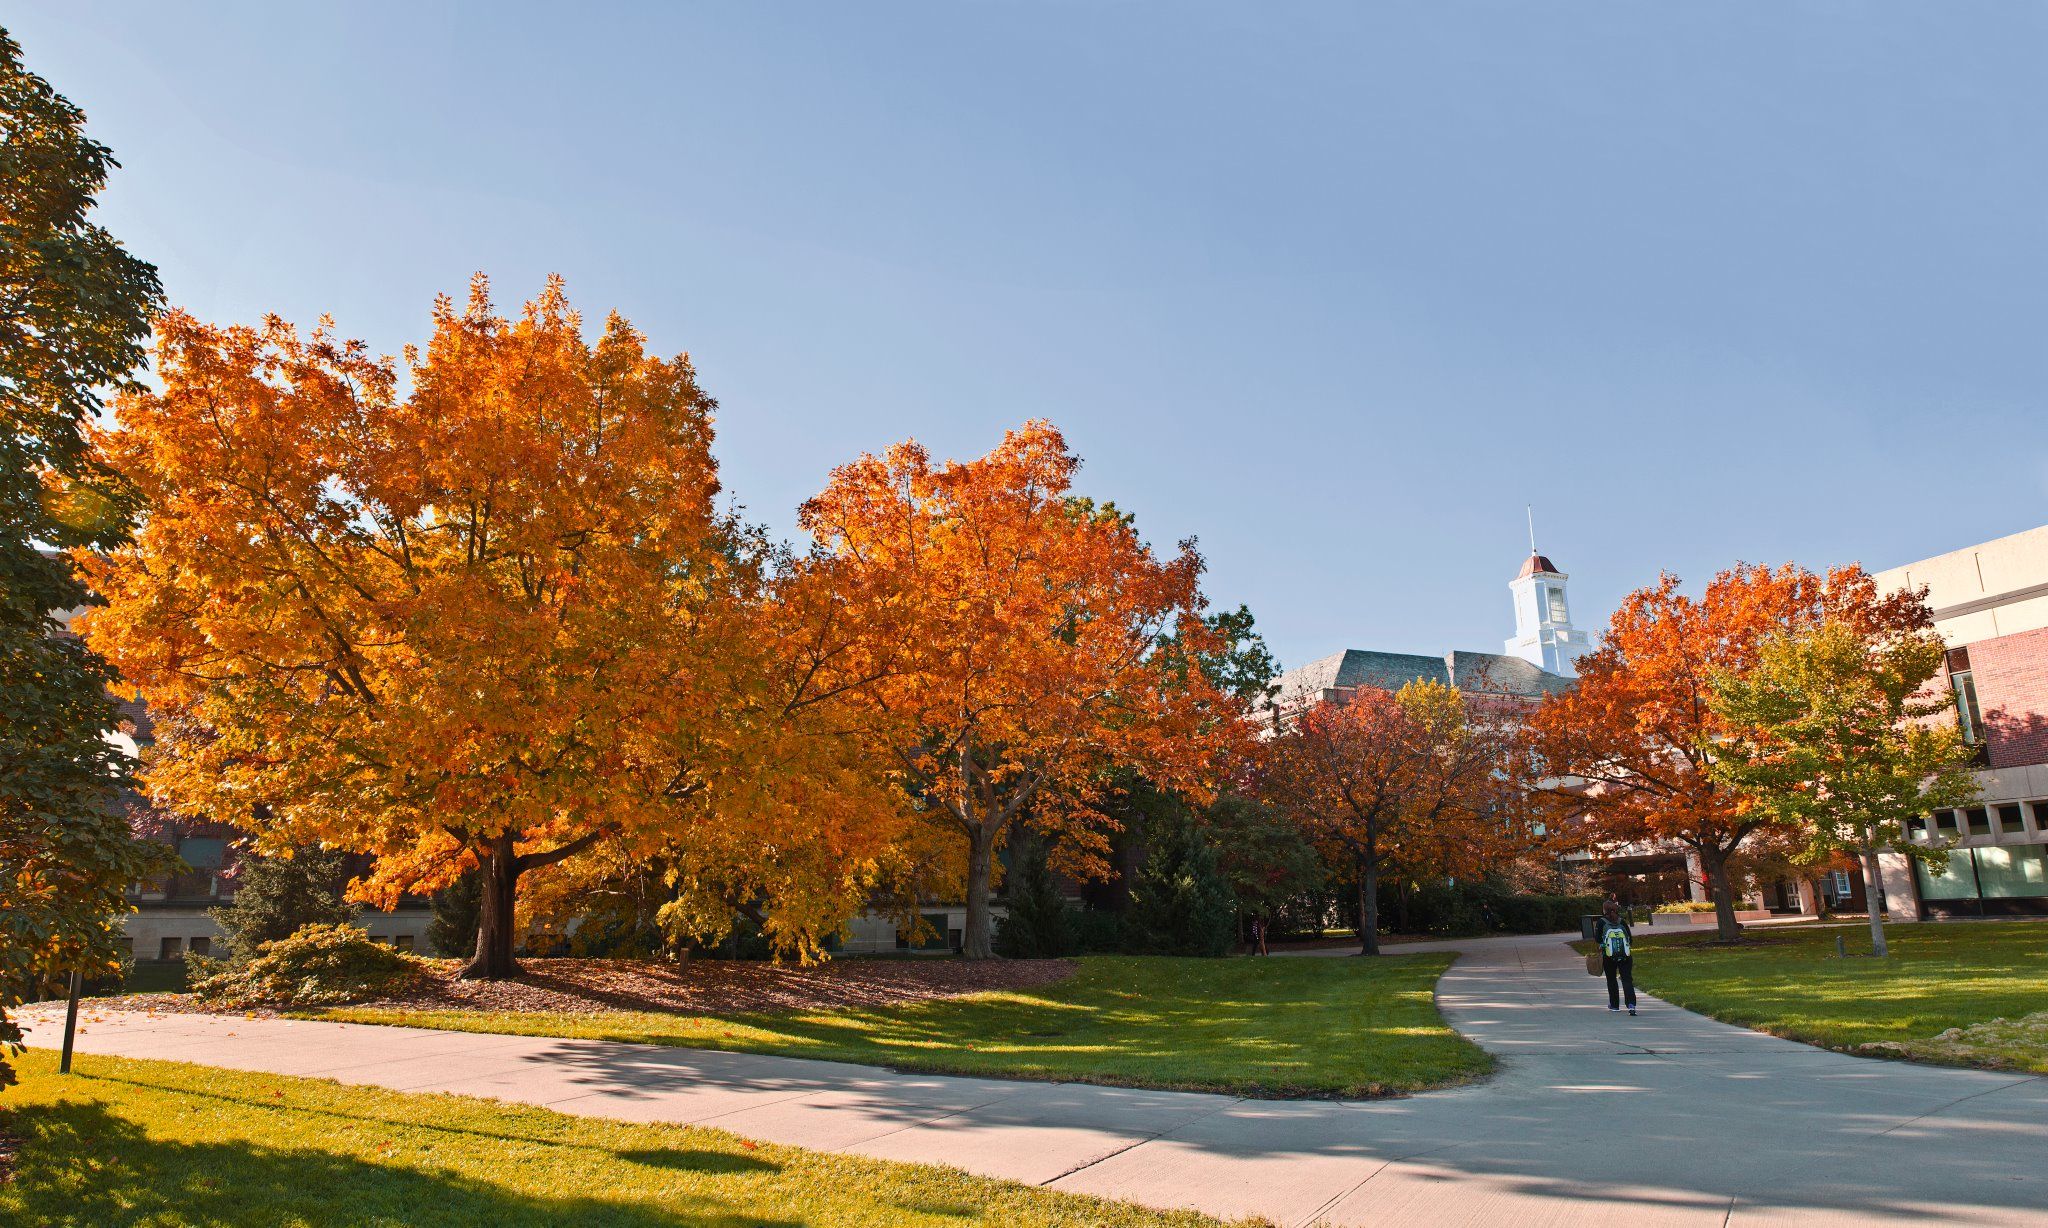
(1789, 983)
(1264, 1027)
(164, 1143)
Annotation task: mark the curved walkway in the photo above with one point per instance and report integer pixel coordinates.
(1593, 1119)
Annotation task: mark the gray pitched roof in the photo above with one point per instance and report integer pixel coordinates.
(1497, 673)
(1482, 672)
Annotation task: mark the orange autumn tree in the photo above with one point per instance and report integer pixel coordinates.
(477, 610)
(1415, 783)
(1011, 635)
(1630, 748)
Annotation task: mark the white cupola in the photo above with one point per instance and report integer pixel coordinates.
(1543, 621)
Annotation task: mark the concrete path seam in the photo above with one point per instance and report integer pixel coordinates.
(1960, 1100)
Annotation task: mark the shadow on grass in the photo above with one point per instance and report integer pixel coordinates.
(82, 1166)
(682, 1159)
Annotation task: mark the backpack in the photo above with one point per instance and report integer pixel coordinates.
(1614, 939)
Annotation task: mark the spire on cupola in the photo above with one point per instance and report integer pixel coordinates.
(1544, 636)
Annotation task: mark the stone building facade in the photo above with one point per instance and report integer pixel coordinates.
(1990, 604)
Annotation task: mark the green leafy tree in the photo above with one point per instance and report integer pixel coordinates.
(1038, 922)
(1842, 742)
(458, 911)
(74, 312)
(1262, 854)
(1181, 904)
(276, 896)
(1233, 656)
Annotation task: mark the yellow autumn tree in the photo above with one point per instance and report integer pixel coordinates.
(472, 609)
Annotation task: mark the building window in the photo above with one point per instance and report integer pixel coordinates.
(2009, 821)
(1945, 824)
(1968, 718)
(403, 942)
(203, 852)
(2013, 873)
(202, 946)
(1954, 879)
(1557, 610)
(1838, 882)
(1979, 822)
(168, 949)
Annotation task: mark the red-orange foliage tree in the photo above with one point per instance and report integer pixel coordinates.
(1630, 748)
(1415, 783)
(1009, 633)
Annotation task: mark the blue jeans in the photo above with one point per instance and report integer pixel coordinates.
(1621, 968)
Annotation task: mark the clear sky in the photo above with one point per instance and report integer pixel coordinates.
(1335, 288)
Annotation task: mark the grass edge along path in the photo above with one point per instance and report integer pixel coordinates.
(1346, 1028)
(127, 1141)
(1942, 980)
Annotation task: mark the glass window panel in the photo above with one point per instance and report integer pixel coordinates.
(2009, 821)
(1980, 822)
(203, 852)
(2010, 872)
(1945, 823)
(1557, 610)
(1950, 880)
(1967, 717)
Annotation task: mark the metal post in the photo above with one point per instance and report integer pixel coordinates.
(70, 1022)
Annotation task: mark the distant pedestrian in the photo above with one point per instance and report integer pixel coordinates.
(1259, 936)
(1617, 958)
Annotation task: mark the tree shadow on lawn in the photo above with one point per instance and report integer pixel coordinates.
(85, 1166)
(1290, 1032)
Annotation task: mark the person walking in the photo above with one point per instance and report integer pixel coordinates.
(1617, 958)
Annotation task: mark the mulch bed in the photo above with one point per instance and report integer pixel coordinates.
(700, 987)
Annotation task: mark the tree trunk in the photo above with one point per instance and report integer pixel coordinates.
(494, 934)
(1872, 885)
(1715, 862)
(979, 940)
(1368, 906)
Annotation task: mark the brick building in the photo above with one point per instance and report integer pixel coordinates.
(1990, 605)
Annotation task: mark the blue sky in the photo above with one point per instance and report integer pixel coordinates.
(1335, 288)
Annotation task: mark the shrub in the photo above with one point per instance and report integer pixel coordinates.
(1460, 910)
(1448, 911)
(1096, 933)
(1687, 906)
(276, 897)
(1180, 902)
(1036, 923)
(458, 908)
(320, 965)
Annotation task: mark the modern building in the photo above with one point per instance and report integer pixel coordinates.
(1990, 604)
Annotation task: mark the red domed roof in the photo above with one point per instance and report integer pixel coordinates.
(1537, 565)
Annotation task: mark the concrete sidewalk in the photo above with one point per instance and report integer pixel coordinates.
(1593, 1119)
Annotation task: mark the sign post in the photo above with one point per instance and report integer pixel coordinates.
(70, 1022)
